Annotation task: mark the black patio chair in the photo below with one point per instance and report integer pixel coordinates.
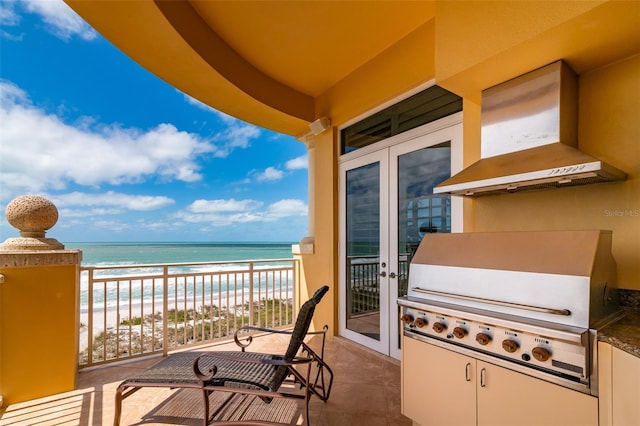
(246, 373)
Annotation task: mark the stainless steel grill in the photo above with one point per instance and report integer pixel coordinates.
(529, 301)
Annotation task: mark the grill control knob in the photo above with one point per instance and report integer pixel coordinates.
(406, 318)
(509, 346)
(483, 338)
(541, 354)
(459, 332)
(439, 327)
(420, 322)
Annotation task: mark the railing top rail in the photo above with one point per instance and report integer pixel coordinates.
(181, 264)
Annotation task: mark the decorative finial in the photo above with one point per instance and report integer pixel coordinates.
(33, 215)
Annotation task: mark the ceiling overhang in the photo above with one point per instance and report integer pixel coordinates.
(265, 62)
(283, 64)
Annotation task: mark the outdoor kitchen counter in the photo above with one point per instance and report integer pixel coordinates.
(624, 333)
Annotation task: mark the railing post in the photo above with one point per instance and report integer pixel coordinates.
(165, 310)
(90, 317)
(251, 304)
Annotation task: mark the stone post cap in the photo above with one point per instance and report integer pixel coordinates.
(32, 215)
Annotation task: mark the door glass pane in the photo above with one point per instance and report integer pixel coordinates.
(420, 211)
(363, 250)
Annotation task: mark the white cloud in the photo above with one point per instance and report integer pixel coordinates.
(8, 15)
(228, 212)
(270, 174)
(237, 133)
(61, 20)
(41, 152)
(85, 212)
(286, 208)
(112, 199)
(111, 225)
(298, 163)
(216, 206)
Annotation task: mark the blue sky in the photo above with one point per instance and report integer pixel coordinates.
(123, 155)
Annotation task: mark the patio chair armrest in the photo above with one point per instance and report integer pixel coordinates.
(249, 338)
(211, 372)
(324, 330)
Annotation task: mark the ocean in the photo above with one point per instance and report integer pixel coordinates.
(133, 287)
(114, 254)
(129, 255)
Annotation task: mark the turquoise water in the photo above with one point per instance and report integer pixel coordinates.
(128, 255)
(111, 254)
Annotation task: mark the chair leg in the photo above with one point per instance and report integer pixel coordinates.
(118, 407)
(205, 395)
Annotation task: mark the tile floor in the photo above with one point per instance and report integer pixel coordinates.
(366, 391)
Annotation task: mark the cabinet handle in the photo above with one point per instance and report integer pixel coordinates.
(482, 382)
(467, 372)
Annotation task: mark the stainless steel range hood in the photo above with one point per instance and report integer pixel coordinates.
(529, 138)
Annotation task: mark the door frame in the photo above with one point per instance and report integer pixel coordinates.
(453, 134)
(443, 130)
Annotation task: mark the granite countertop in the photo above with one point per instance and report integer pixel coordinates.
(624, 333)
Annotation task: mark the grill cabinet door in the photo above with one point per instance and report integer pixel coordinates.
(508, 398)
(438, 386)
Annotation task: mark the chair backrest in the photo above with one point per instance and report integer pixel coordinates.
(303, 322)
(297, 336)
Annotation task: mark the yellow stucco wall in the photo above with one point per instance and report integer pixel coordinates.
(609, 130)
(319, 268)
(38, 330)
(483, 43)
(405, 65)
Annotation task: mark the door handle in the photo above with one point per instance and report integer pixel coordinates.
(383, 274)
(392, 275)
(467, 372)
(483, 384)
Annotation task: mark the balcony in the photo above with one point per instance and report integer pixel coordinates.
(130, 316)
(366, 391)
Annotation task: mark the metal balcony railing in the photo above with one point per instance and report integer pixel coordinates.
(363, 280)
(138, 310)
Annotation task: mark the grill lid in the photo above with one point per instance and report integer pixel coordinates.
(567, 277)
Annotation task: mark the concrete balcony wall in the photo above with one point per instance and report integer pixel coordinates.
(38, 323)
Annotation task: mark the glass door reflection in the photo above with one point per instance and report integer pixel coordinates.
(363, 266)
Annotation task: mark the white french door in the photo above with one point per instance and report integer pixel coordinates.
(386, 206)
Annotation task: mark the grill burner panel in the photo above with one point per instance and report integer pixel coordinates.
(552, 351)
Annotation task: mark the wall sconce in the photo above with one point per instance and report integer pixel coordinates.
(320, 125)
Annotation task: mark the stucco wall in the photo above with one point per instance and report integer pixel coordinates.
(400, 68)
(319, 268)
(38, 327)
(609, 129)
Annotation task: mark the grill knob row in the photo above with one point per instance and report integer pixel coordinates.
(539, 353)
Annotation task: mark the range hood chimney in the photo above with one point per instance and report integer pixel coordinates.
(529, 138)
